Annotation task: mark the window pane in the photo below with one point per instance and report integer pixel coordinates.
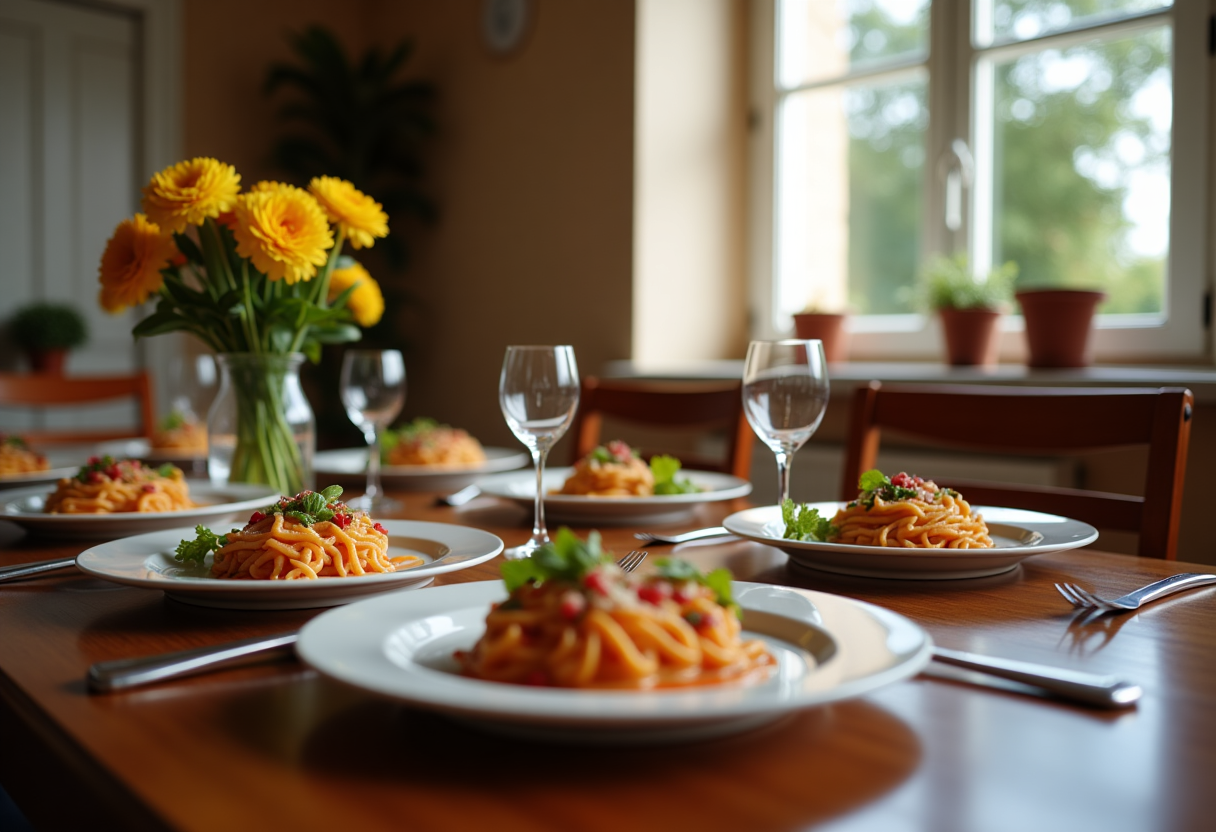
(850, 180)
(1023, 19)
(822, 39)
(1082, 184)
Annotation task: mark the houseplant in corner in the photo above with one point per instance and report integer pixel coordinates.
(47, 332)
(255, 276)
(970, 307)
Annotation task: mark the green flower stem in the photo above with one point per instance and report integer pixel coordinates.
(320, 295)
(266, 450)
(251, 321)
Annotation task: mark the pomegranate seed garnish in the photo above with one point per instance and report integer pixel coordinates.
(595, 582)
(380, 529)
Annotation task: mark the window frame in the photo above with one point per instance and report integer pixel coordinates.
(1184, 335)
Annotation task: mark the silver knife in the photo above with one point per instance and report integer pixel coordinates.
(24, 570)
(1074, 685)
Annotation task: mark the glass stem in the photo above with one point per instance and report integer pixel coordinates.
(540, 535)
(372, 491)
(783, 475)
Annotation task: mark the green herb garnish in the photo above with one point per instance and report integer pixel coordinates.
(203, 544)
(565, 558)
(805, 523)
(664, 469)
(309, 507)
(718, 581)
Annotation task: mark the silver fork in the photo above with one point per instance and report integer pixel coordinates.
(716, 531)
(632, 560)
(1085, 599)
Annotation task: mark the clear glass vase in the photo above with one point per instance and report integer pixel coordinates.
(261, 428)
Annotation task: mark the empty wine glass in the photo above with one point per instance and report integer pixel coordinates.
(373, 391)
(785, 393)
(538, 393)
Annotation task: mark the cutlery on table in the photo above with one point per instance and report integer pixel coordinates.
(1074, 685)
(24, 570)
(715, 531)
(119, 674)
(1084, 599)
(459, 498)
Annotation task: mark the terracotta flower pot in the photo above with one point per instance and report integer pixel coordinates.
(826, 327)
(971, 336)
(47, 362)
(1058, 324)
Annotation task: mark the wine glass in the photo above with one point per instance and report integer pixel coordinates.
(373, 391)
(785, 393)
(538, 393)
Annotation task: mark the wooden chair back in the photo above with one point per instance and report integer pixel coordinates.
(50, 391)
(1035, 420)
(686, 406)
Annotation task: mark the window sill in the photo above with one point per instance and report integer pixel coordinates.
(1201, 380)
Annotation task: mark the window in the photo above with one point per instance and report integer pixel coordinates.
(1069, 136)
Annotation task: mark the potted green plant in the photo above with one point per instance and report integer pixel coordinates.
(1059, 319)
(970, 306)
(46, 332)
(826, 322)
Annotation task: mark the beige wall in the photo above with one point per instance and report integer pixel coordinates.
(532, 169)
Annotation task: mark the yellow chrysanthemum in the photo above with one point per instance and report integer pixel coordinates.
(366, 303)
(131, 263)
(189, 192)
(283, 230)
(360, 217)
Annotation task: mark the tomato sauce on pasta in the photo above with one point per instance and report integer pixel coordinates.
(16, 457)
(105, 485)
(911, 512)
(600, 627)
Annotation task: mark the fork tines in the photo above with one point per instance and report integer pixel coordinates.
(632, 560)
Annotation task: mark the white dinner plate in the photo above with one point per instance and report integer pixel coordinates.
(1018, 534)
(352, 462)
(65, 461)
(520, 487)
(827, 648)
(147, 561)
(37, 477)
(217, 505)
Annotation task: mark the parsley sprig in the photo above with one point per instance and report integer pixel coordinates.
(566, 558)
(309, 507)
(664, 469)
(204, 543)
(805, 523)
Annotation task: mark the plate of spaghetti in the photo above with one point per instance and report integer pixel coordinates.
(579, 652)
(113, 497)
(351, 464)
(608, 506)
(907, 527)
(21, 464)
(296, 553)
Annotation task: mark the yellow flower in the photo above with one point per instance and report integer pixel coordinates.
(131, 263)
(189, 192)
(366, 302)
(359, 216)
(283, 230)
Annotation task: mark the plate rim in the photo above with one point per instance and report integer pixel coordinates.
(199, 586)
(482, 705)
(9, 497)
(738, 487)
(516, 458)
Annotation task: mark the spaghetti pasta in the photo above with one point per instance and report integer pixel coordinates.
(908, 511)
(105, 485)
(16, 457)
(611, 470)
(587, 624)
(309, 536)
(426, 442)
(180, 433)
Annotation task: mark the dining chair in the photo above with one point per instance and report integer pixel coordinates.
(1040, 420)
(43, 392)
(668, 407)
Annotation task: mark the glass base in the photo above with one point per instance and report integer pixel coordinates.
(375, 505)
(522, 551)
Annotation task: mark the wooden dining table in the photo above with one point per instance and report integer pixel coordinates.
(274, 745)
